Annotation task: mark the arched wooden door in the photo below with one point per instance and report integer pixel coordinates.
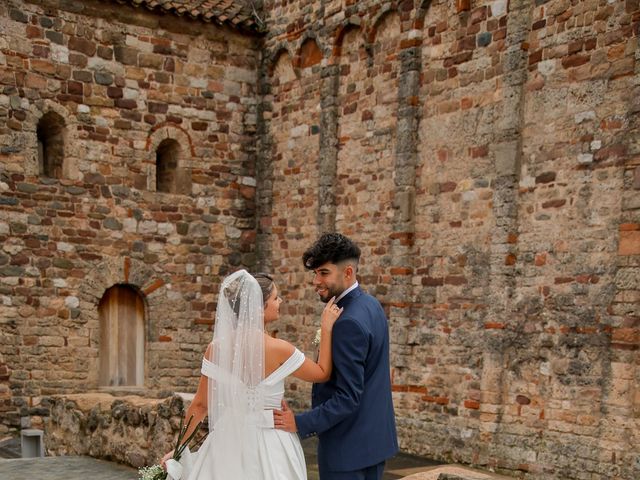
(121, 337)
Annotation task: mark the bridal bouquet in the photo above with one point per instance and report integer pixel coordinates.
(156, 472)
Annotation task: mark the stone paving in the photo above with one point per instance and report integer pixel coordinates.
(64, 468)
(450, 472)
(397, 467)
(80, 467)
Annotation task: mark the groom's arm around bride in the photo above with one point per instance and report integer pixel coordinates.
(352, 413)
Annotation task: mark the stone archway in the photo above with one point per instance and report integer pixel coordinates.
(167, 157)
(51, 133)
(169, 141)
(153, 290)
(52, 123)
(122, 345)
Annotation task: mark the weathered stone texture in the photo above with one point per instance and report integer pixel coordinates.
(132, 430)
(484, 155)
(123, 80)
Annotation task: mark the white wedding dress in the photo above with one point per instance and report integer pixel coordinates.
(274, 454)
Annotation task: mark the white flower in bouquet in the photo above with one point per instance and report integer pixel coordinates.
(151, 473)
(318, 337)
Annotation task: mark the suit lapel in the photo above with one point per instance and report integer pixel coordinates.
(346, 300)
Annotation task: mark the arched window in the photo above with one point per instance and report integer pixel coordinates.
(121, 337)
(167, 157)
(283, 71)
(51, 145)
(310, 54)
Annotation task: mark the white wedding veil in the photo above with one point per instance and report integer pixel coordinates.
(234, 366)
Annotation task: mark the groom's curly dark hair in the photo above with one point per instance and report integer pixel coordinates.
(330, 247)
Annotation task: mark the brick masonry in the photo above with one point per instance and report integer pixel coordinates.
(484, 154)
(123, 80)
(131, 430)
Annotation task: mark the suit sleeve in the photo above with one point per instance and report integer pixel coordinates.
(349, 347)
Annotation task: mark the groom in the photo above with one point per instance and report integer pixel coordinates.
(352, 413)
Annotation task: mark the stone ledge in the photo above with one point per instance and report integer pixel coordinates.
(453, 472)
(129, 429)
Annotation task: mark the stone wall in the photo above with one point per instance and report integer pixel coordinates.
(484, 154)
(123, 80)
(132, 430)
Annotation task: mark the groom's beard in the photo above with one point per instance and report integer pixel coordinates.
(331, 292)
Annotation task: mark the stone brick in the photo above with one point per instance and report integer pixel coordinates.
(155, 107)
(169, 65)
(105, 415)
(540, 260)
(535, 57)
(103, 78)
(539, 24)
(162, 77)
(94, 178)
(105, 52)
(126, 55)
(83, 76)
(82, 45)
(75, 88)
(114, 92)
(484, 39)
(575, 60)
(18, 15)
(34, 32)
(126, 103)
(557, 203)
(45, 22)
(463, 5)
(629, 243)
(546, 177)
(478, 15)
(78, 60)
(482, 158)
(63, 263)
(472, 404)
(151, 60)
(42, 66)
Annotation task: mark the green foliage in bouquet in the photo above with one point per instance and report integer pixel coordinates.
(156, 472)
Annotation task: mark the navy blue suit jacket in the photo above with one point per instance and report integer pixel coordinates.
(352, 413)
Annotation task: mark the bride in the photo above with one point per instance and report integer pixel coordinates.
(242, 382)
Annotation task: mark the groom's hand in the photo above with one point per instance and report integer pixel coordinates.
(285, 419)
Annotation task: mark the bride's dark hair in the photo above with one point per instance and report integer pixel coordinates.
(265, 281)
(266, 284)
(231, 291)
